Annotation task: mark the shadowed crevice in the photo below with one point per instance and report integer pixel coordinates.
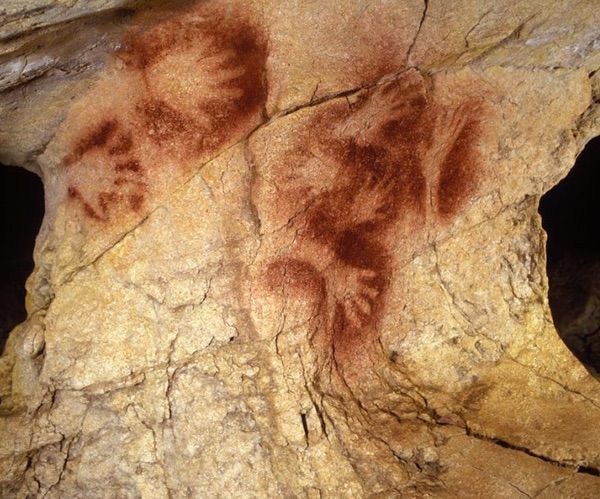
(586, 470)
(570, 214)
(21, 213)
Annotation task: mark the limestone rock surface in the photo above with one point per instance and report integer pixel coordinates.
(292, 249)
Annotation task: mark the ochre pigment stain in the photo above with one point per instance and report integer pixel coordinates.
(378, 173)
(458, 172)
(113, 146)
(387, 164)
(168, 120)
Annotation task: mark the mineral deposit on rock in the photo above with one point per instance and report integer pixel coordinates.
(292, 249)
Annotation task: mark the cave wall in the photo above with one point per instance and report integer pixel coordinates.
(295, 249)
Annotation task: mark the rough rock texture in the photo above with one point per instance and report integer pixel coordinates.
(292, 249)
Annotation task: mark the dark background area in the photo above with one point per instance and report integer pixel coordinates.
(21, 213)
(571, 217)
(571, 210)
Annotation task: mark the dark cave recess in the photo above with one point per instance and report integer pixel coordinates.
(21, 213)
(570, 216)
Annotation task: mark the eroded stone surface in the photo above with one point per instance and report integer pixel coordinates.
(294, 250)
